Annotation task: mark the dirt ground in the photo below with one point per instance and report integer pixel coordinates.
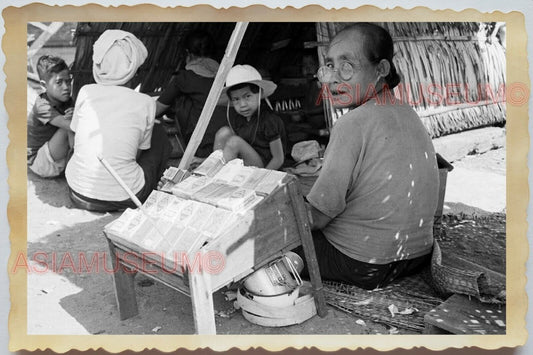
(75, 300)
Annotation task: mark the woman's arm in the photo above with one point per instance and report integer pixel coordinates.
(318, 220)
(160, 108)
(278, 155)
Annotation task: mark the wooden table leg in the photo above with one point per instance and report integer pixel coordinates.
(123, 279)
(304, 230)
(202, 302)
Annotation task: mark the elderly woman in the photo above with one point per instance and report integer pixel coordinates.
(113, 121)
(373, 204)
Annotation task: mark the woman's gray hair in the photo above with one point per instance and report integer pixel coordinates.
(377, 45)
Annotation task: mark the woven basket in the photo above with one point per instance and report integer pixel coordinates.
(451, 274)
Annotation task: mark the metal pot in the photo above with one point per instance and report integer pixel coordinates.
(278, 277)
(282, 300)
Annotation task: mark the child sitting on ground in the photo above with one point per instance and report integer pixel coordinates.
(254, 132)
(49, 120)
(113, 121)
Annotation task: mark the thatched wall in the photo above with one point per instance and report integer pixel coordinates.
(452, 72)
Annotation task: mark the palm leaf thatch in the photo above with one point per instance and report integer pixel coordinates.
(453, 73)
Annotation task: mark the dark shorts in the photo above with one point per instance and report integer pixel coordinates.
(153, 162)
(336, 266)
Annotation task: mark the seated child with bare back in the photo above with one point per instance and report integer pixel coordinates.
(49, 120)
(254, 132)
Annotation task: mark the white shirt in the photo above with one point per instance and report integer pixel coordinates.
(112, 122)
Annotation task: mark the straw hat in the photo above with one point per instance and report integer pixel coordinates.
(241, 74)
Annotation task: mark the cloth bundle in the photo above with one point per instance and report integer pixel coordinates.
(307, 156)
(117, 55)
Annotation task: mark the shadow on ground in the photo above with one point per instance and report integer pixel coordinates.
(161, 309)
(53, 192)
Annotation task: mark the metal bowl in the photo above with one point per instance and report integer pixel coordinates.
(279, 301)
(278, 277)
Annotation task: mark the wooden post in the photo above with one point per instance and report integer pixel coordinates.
(202, 302)
(124, 286)
(214, 94)
(304, 230)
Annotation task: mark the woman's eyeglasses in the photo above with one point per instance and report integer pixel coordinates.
(325, 73)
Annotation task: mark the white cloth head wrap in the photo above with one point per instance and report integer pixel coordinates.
(117, 55)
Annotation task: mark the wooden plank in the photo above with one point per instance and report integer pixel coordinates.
(214, 94)
(461, 315)
(147, 265)
(202, 302)
(260, 235)
(124, 288)
(309, 248)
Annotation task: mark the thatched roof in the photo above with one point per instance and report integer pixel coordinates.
(448, 56)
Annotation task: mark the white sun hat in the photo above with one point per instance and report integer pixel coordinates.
(245, 73)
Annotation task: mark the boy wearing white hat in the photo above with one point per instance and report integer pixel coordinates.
(254, 132)
(115, 122)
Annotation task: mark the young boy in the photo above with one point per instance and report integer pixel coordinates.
(255, 133)
(49, 120)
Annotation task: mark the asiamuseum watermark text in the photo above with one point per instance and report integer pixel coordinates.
(210, 262)
(430, 94)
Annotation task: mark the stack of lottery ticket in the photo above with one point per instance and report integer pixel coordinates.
(211, 165)
(171, 177)
(118, 226)
(137, 228)
(229, 171)
(190, 185)
(263, 181)
(270, 182)
(161, 233)
(255, 178)
(213, 192)
(157, 202)
(237, 200)
(219, 220)
(190, 241)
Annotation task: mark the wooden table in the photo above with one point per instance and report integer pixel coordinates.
(277, 224)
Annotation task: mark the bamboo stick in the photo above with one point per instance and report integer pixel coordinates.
(130, 193)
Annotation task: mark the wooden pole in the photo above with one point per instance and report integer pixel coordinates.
(304, 229)
(130, 193)
(214, 94)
